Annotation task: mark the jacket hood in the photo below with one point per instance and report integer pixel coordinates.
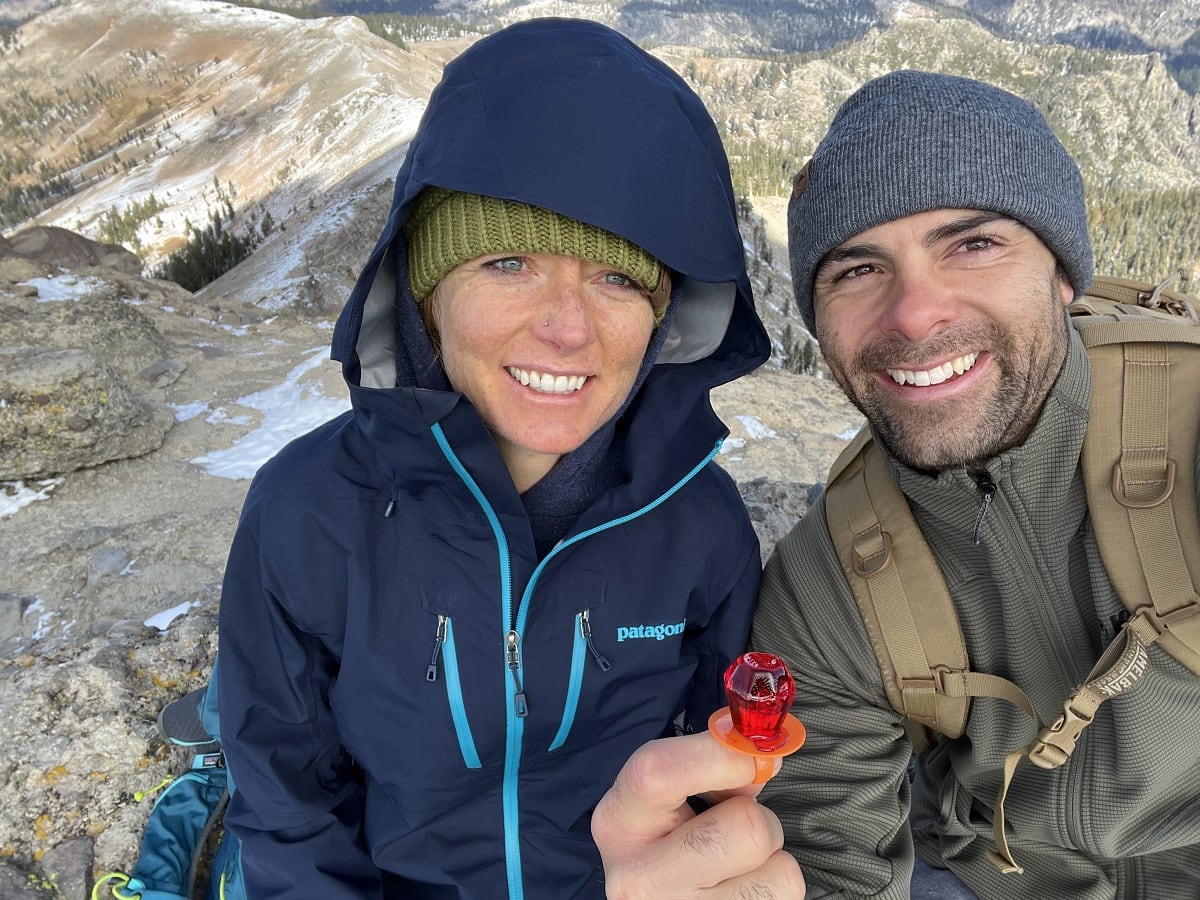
(571, 116)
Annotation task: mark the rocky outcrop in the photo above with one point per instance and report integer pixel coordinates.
(774, 507)
(78, 361)
(75, 377)
(81, 756)
(54, 249)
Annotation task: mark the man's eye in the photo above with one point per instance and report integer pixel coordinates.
(979, 242)
(619, 279)
(856, 271)
(508, 264)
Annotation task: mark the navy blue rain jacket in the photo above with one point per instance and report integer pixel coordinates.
(412, 703)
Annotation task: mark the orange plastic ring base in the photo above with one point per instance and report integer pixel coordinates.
(720, 726)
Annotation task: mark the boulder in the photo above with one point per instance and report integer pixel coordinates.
(775, 507)
(62, 410)
(75, 382)
(15, 269)
(112, 330)
(55, 249)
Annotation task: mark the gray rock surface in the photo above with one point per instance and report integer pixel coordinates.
(50, 248)
(62, 410)
(78, 374)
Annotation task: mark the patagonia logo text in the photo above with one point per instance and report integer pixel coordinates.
(657, 632)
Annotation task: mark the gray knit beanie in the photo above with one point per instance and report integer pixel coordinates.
(910, 142)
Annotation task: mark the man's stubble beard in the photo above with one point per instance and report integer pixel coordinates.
(960, 431)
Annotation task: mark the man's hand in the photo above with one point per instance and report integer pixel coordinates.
(654, 846)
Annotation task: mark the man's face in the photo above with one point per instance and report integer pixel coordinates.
(946, 329)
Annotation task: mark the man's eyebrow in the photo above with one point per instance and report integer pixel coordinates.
(962, 226)
(869, 250)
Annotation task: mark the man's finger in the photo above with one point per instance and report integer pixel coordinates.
(779, 878)
(730, 850)
(649, 797)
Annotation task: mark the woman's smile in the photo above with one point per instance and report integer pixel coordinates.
(546, 383)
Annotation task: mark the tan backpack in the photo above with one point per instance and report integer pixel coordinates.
(1139, 470)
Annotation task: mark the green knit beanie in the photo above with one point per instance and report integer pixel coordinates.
(450, 227)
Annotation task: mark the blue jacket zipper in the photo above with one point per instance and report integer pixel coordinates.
(515, 725)
(513, 626)
(431, 672)
(454, 693)
(582, 646)
(583, 637)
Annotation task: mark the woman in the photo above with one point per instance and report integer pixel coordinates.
(451, 614)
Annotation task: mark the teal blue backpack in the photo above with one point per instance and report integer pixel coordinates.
(184, 816)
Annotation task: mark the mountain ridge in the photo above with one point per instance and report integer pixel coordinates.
(210, 94)
(189, 114)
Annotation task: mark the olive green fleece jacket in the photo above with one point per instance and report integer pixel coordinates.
(1121, 819)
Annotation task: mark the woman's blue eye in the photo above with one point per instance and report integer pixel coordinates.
(510, 264)
(618, 279)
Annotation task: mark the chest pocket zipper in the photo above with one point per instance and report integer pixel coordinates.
(443, 646)
(581, 648)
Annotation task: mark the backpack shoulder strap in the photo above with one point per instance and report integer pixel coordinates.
(1139, 455)
(919, 645)
(1139, 470)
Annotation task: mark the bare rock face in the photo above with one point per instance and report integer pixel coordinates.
(56, 248)
(72, 392)
(116, 333)
(775, 507)
(82, 742)
(64, 410)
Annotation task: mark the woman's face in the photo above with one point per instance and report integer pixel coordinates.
(546, 348)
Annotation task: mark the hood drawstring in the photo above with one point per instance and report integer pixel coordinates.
(987, 488)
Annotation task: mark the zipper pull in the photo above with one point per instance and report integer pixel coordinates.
(390, 509)
(431, 674)
(512, 654)
(585, 628)
(987, 487)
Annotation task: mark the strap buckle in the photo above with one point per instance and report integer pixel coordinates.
(1056, 742)
(872, 552)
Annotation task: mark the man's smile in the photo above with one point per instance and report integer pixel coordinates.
(936, 375)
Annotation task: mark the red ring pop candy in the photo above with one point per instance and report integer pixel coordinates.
(756, 722)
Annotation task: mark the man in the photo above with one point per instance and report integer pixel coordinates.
(936, 236)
